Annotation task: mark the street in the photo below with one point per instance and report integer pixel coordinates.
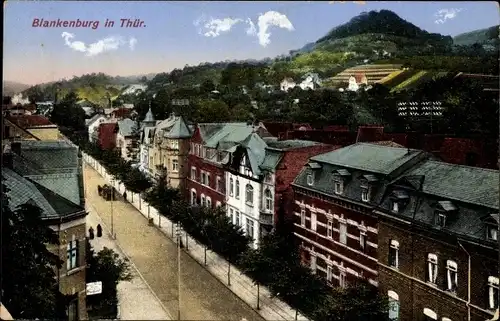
(202, 296)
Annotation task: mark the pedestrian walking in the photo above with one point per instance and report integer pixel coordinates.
(99, 230)
(99, 190)
(125, 195)
(91, 233)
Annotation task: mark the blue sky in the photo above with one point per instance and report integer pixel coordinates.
(180, 33)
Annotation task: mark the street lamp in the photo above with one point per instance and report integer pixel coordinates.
(179, 234)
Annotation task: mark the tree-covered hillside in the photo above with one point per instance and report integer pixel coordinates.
(482, 37)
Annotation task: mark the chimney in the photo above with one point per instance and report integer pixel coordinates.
(15, 147)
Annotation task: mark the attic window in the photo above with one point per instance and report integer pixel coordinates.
(492, 233)
(310, 179)
(447, 206)
(370, 178)
(343, 172)
(441, 219)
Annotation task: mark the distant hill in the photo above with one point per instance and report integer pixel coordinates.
(10, 88)
(481, 36)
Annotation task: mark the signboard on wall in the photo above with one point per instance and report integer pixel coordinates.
(94, 288)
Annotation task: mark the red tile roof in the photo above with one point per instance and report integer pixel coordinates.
(28, 121)
(122, 112)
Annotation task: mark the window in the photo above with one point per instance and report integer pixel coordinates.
(342, 282)
(451, 275)
(207, 177)
(395, 206)
(238, 216)
(231, 186)
(175, 165)
(441, 219)
(430, 315)
(339, 187)
(343, 233)
(268, 178)
(231, 215)
(218, 204)
(202, 200)
(237, 189)
(329, 273)
(394, 254)
(197, 149)
(303, 217)
(362, 240)
(193, 197)
(202, 177)
(193, 173)
(72, 255)
(492, 233)
(365, 197)
(269, 199)
(493, 292)
(217, 184)
(249, 194)
(393, 306)
(313, 221)
(209, 202)
(310, 179)
(250, 226)
(174, 144)
(313, 263)
(329, 229)
(432, 267)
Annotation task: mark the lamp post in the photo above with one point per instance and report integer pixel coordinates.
(179, 235)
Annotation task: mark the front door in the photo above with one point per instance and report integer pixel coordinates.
(73, 310)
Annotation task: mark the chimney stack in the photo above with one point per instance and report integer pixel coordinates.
(15, 147)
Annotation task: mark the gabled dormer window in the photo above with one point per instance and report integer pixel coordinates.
(339, 187)
(367, 186)
(340, 177)
(491, 222)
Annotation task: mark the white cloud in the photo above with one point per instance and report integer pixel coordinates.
(446, 14)
(131, 43)
(215, 27)
(271, 19)
(251, 30)
(98, 47)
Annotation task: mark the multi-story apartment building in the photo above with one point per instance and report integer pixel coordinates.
(259, 175)
(210, 148)
(438, 243)
(48, 174)
(335, 195)
(93, 124)
(124, 137)
(146, 142)
(170, 150)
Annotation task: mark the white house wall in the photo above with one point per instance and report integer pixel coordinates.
(247, 211)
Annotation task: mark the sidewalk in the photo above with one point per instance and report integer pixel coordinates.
(240, 284)
(136, 300)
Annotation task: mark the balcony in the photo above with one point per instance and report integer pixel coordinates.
(266, 218)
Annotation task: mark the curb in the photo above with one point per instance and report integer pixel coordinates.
(129, 260)
(192, 257)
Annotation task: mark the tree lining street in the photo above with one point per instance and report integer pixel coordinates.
(202, 296)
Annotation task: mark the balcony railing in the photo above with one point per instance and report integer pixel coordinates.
(266, 218)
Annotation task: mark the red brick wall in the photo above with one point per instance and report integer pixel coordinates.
(209, 191)
(352, 249)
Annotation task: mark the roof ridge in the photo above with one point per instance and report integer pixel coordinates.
(464, 166)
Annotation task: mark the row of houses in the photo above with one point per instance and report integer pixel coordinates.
(422, 230)
(42, 168)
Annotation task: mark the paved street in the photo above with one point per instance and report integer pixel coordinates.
(137, 300)
(202, 296)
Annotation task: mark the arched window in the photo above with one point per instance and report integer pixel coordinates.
(249, 194)
(237, 188)
(193, 197)
(269, 199)
(393, 306)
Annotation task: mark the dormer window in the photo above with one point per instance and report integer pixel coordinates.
(339, 187)
(492, 233)
(365, 194)
(366, 186)
(310, 179)
(444, 210)
(398, 200)
(341, 176)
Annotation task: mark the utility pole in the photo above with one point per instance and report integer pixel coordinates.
(113, 235)
(179, 270)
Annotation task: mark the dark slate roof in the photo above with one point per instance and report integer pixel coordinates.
(289, 144)
(369, 157)
(271, 159)
(174, 127)
(24, 190)
(50, 156)
(466, 184)
(126, 127)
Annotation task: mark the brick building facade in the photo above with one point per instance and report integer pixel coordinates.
(437, 247)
